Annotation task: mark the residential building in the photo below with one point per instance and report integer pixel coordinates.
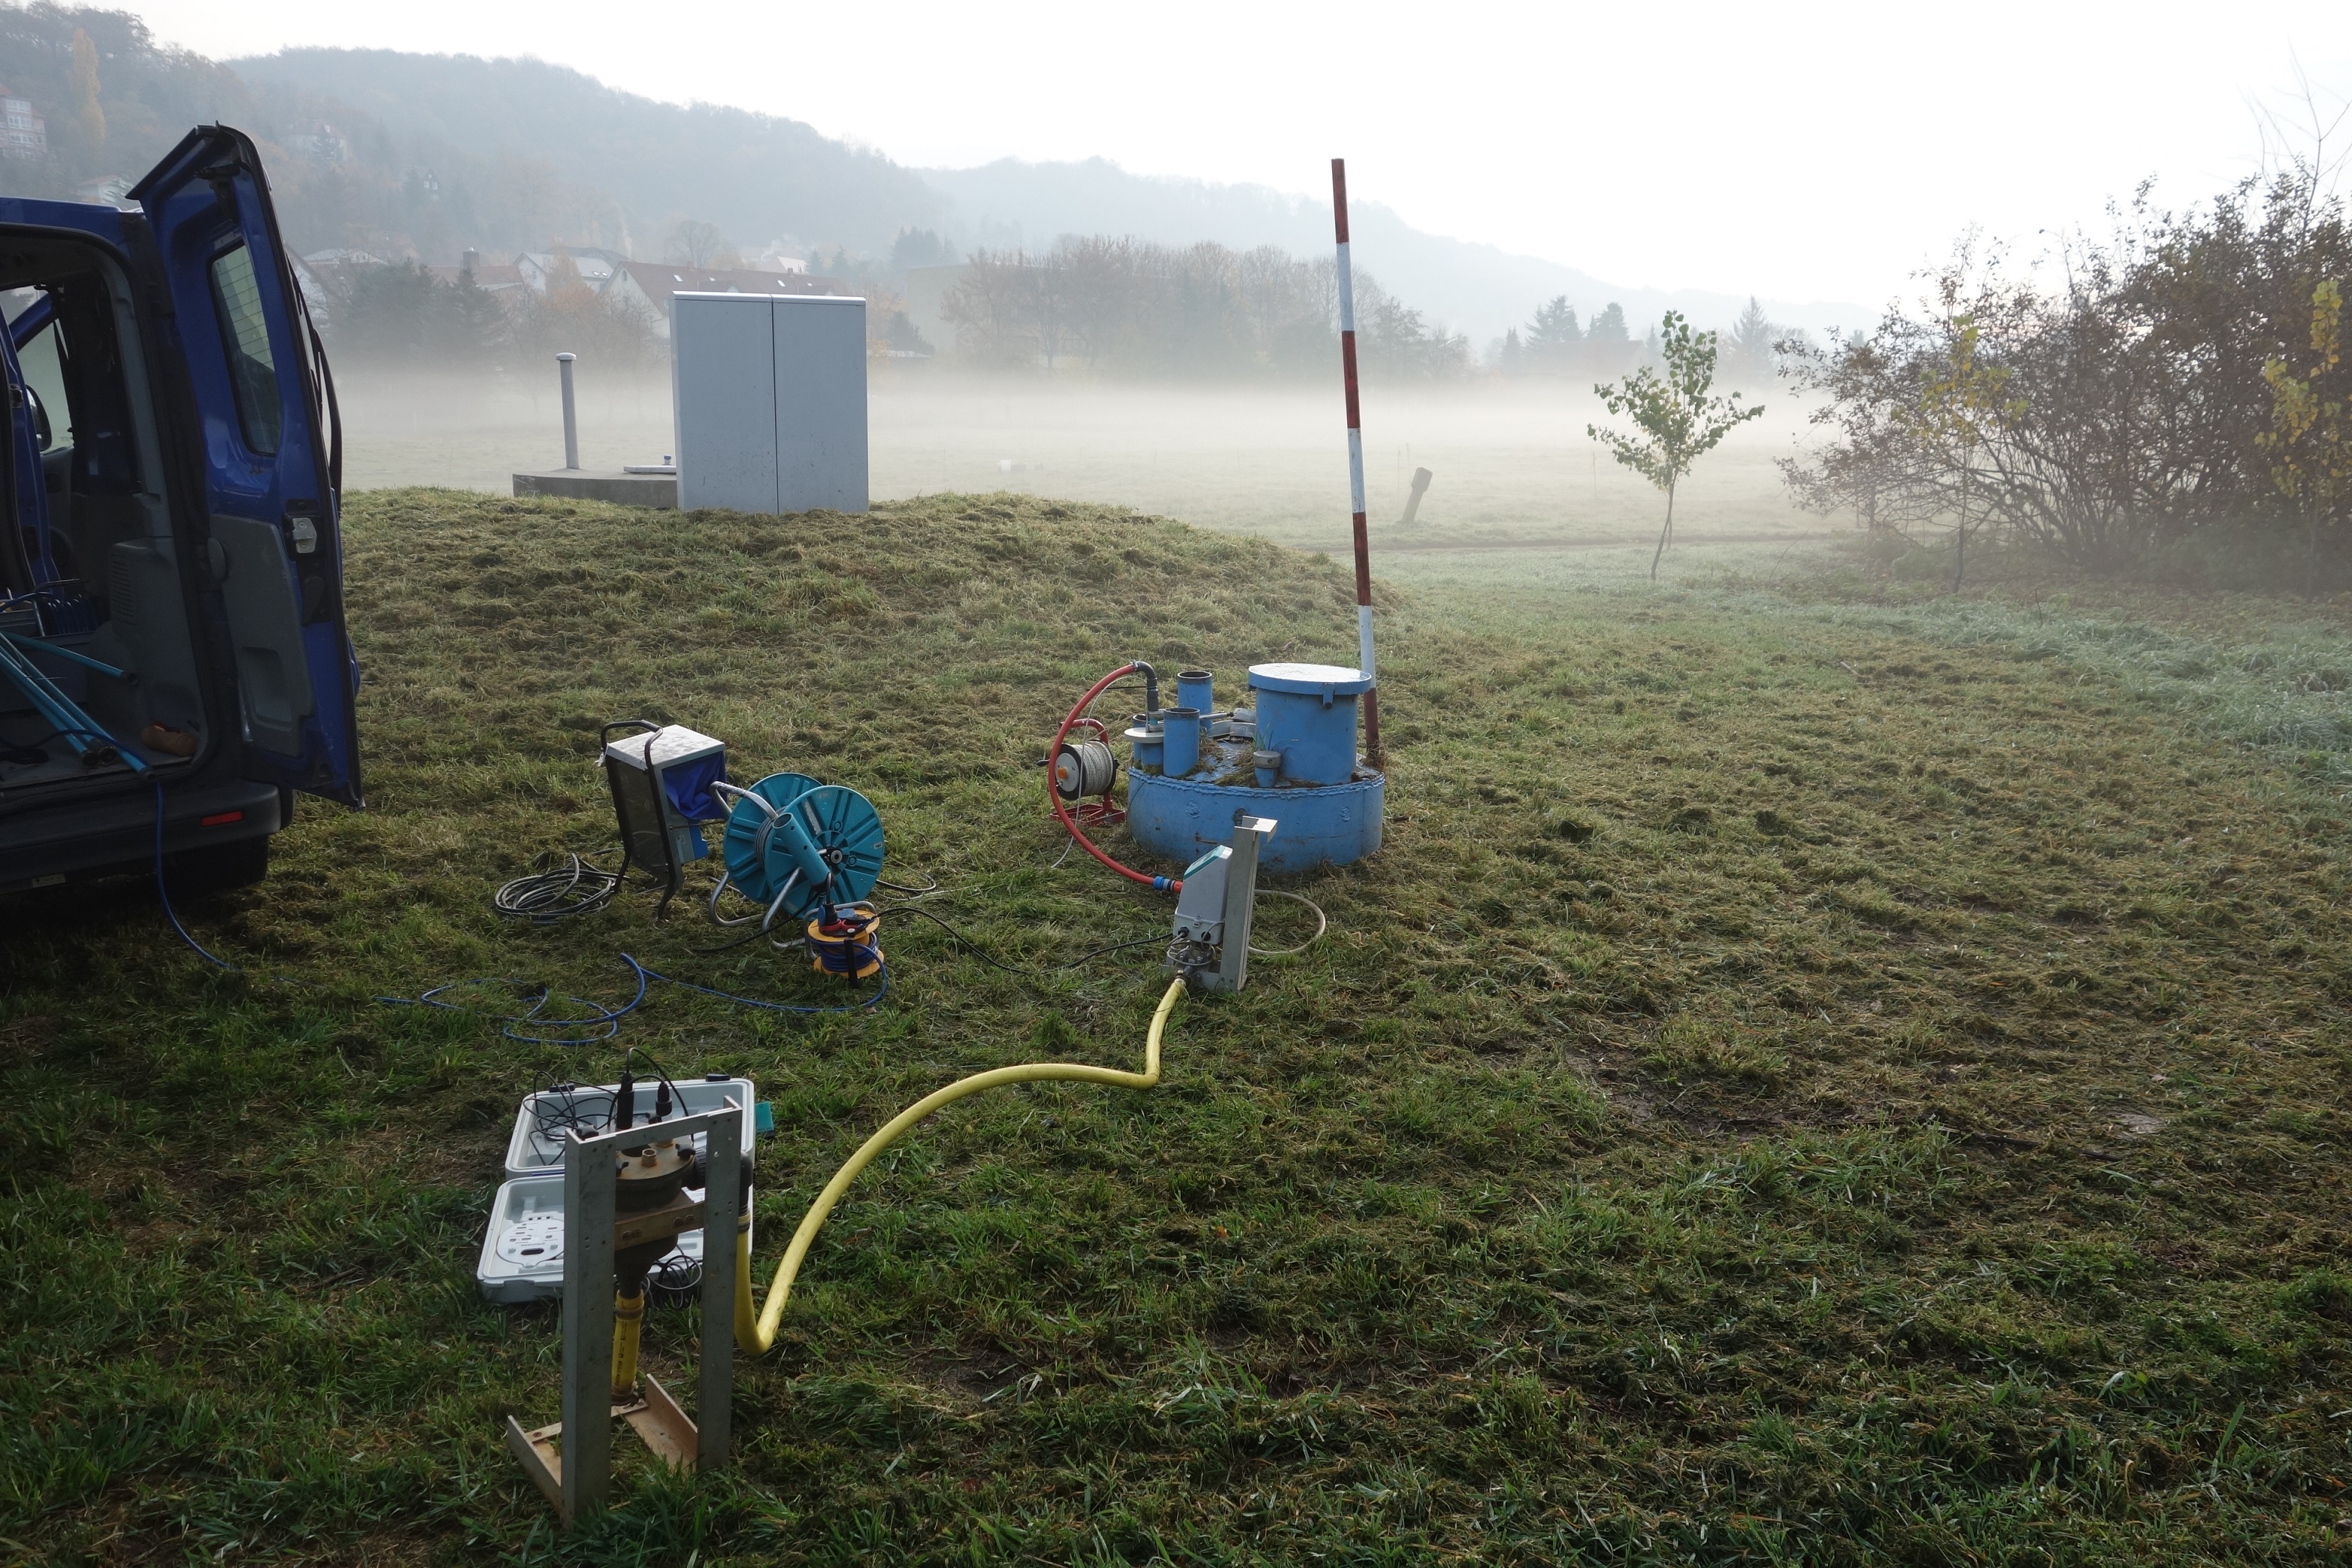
(23, 133)
(782, 257)
(597, 268)
(324, 144)
(492, 279)
(107, 190)
(650, 284)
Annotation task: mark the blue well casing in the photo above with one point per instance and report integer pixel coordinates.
(1181, 819)
(1196, 689)
(1329, 810)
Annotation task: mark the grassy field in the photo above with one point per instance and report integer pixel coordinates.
(1821, 1072)
(1512, 461)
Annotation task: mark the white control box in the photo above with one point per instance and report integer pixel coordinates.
(522, 1250)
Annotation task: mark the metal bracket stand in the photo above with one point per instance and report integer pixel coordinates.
(1250, 834)
(578, 1479)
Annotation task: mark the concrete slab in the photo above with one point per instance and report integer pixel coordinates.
(658, 490)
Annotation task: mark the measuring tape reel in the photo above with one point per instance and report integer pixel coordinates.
(825, 849)
(795, 845)
(1084, 765)
(750, 825)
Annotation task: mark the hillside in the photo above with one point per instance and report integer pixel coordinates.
(1471, 287)
(483, 125)
(385, 150)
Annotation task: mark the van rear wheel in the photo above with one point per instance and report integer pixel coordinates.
(217, 867)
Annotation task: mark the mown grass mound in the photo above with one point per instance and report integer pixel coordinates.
(1790, 1087)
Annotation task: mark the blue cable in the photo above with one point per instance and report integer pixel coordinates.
(605, 1021)
(164, 893)
(644, 973)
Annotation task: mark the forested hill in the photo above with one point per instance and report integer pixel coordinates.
(502, 128)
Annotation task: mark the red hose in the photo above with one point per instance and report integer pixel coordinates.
(1162, 884)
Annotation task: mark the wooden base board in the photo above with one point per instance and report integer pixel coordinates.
(656, 1418)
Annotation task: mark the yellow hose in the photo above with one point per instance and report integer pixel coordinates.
(759, 1336)
(628, 1317)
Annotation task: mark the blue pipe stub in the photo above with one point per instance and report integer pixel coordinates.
(1179, 818)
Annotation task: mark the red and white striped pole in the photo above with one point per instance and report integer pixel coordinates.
(1356, 465)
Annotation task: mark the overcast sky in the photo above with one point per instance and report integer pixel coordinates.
(1802, 150)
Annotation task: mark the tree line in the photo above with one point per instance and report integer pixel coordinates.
(2175, 385)
(408, 314)
(1130, 306)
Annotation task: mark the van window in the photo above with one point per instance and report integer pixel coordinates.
(245, 336)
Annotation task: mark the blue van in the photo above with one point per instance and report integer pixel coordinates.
(173, 662)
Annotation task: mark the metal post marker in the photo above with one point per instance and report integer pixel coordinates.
(578, 1481)
(1356, 465)
(571, 412)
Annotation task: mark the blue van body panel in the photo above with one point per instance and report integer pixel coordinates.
(99, 222)
(202, 202)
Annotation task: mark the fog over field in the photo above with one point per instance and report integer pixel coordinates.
(1512, 462)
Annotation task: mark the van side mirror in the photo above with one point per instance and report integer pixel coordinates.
(42, 434)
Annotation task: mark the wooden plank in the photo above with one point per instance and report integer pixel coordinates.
(540, 1461)
(674, 1218)
(663, 1427)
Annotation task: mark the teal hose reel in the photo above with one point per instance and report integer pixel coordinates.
(795, 847)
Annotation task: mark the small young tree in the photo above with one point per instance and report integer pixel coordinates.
(1677, 417)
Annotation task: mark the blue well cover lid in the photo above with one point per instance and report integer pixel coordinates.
(1310, 679)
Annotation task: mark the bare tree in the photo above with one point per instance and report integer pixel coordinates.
(696, 243)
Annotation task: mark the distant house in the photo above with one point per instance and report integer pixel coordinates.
(23, 133)
(650, 284)
(108, 190)
(322, 261)
(490, 278)
(323, 144)
(597, 268)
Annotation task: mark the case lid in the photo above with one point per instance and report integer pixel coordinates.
(1310, 679)
(672, 744)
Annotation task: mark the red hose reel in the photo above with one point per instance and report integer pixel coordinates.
(1089, 769)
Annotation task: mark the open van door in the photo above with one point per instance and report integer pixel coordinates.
(271, 452)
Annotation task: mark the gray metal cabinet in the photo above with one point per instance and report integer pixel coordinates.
(771, 400)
